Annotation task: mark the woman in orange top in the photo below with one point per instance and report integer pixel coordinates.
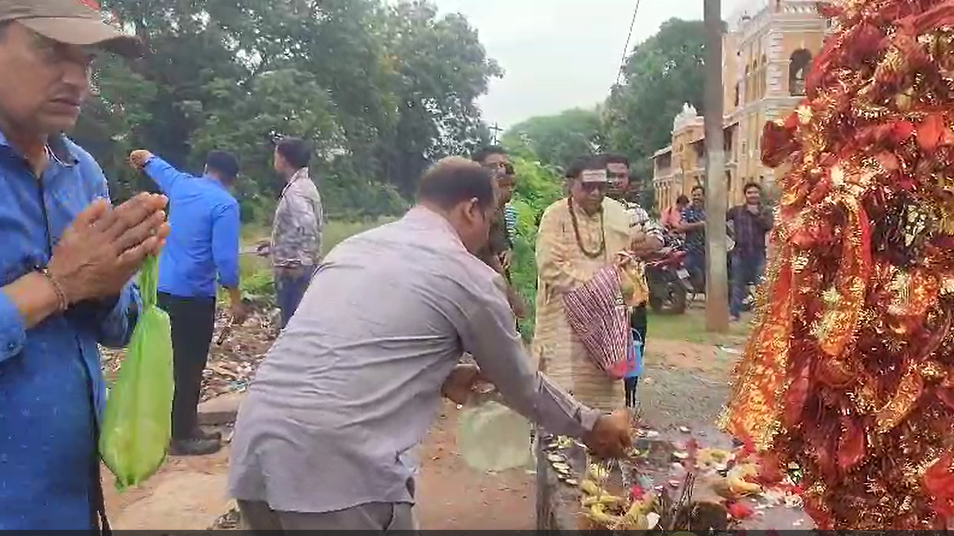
(672, 215)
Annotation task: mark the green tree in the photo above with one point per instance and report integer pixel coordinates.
(556, 140)
(663, 73)
(537, 187)
(381, 90)
(441, 71)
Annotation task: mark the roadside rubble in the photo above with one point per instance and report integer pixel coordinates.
(727, 474)
(231, 363)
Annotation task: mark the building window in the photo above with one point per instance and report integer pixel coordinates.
(763, 77)
(800, 62)
(736, 103)
(748, 83)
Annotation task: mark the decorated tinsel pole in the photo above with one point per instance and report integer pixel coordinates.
(849, 372)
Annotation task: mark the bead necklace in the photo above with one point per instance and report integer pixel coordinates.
(579, 239)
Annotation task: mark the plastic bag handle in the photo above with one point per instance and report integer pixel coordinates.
(149, 281)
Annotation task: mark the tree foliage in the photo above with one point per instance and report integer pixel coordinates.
(660, 75)
(663, 73)
(536, 188)
(558, 139)
(379, 88)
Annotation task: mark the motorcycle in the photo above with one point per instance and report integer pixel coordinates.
(669, 282)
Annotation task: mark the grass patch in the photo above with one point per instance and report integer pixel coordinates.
(336, 232)
(256, 272)
(691, 327)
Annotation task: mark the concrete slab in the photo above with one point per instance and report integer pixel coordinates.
(221, 409)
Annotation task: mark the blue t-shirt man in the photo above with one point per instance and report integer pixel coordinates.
(202, 249)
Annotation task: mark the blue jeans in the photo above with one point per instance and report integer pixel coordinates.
(290, 287)
(747, 268)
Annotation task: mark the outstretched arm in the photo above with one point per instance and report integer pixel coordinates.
(161, 172)
(490, 336)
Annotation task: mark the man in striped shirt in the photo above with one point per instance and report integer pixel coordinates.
(617, 169)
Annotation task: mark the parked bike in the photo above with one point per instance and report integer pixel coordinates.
(669, 282)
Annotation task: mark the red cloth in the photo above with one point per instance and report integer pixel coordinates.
(597, 314)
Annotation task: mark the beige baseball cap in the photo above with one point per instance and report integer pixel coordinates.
(73, 22)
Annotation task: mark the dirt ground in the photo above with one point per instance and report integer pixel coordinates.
(684, 385)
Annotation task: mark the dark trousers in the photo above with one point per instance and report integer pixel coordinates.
(193, 322)
(289, 290)
(639, 321)
(747, 269)
(696, 266)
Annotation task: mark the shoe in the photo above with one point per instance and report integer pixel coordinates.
(194, 447)
(200, 433)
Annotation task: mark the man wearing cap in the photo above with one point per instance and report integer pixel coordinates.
(66, 264)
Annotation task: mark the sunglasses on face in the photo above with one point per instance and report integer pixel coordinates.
(594, 186)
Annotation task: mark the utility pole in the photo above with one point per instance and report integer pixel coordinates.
(717, 291)
(495, 129)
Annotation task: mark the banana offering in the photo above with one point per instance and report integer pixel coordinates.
(738, 479)
(736, 485)
(612, 512)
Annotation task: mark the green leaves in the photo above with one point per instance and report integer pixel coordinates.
(663, 73)
(380, 89)
(557, 140)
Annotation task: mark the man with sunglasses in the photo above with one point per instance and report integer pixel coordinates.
(579, 235)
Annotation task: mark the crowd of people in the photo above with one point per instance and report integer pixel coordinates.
(313, 447)
(747, 225)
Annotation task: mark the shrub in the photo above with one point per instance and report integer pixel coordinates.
(537, 188)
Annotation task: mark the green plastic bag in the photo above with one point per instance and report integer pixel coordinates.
(137, 424)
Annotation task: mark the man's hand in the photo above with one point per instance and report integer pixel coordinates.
(239, 313)
(138, 158)
(610, 436)
(461, 383)
(105, 246)
(647, 248)
(637, 239)
(506, 257)
(263, 248)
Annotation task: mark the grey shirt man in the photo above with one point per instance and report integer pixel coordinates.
(354, 382)
(296, 231)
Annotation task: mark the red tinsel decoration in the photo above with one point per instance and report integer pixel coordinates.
(849, 373)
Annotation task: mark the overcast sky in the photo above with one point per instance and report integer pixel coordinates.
(561, 54)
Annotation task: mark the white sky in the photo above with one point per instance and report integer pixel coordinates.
(561, 54)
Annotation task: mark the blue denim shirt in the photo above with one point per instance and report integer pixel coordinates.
(204, 236)
(51, 381)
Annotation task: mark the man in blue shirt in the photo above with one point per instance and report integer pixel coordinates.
(203, 244)
(65, 267)
(693, 224)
